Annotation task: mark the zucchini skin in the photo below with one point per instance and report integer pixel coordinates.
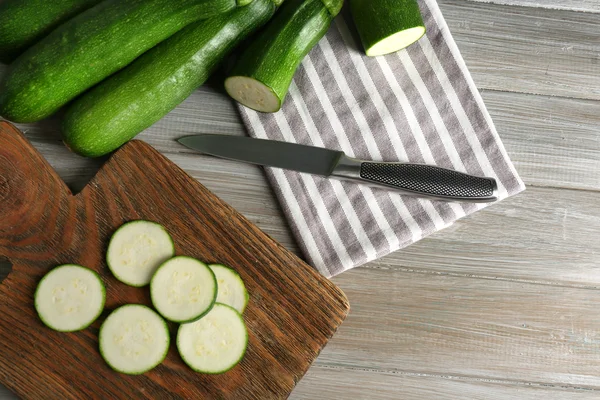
(24, 22)
(89, 48)
(122, 106)
(334, 6)
(276, 53)
(377, 20)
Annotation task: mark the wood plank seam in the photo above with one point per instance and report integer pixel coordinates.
(458, 377)
(587, 6)
(481, 277)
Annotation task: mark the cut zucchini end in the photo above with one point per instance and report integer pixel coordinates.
(136, 250)
(134, 339)
(396, 42)
(70, 298)
(183, 289)
(216, 343)
(252, 94)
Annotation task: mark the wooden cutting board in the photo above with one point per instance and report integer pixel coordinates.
(293, 311)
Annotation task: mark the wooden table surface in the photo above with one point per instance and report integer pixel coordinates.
(503, 305)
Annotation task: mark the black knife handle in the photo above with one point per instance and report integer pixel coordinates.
(430, 181)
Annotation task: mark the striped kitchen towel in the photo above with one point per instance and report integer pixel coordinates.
(418, 105)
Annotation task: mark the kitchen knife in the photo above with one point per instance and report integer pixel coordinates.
(411, 179)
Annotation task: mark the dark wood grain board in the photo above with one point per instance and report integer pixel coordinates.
(293, 311)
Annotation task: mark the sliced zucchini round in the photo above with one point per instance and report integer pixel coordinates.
(134, 339)
(137, 249)
(214, 344)
(70, 298)
(183, 289)
(232, 290)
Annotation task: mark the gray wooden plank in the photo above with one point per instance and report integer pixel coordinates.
(546, 56)
(531, 50)
(570, 5)
(6, 394)
(334, 383)
(541, 235)
(532, 237)
(441, 325)
(553, 141)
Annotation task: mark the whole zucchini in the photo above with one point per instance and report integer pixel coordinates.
(90, 47)
(24, 22)
(386, 26)
(261, 77)
(135, 98)
(334, 6)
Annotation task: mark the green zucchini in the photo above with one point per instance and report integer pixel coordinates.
(24, 22)
(89, 48)
(261, 77)
(334, 6)
(122, 106)
(386, 26)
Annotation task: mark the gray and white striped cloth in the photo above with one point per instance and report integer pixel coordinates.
(418, 105)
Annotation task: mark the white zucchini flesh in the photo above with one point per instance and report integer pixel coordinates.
(183, 289)
(232, 290)
(396, 42)
(215, 343)
(253, 94)
(136, 250)
(70, 298)
(134, 339)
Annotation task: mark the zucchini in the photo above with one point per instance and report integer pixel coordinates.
(183, 289)
(333, 6)
(135, 98)
(70, 298)
(386, 26)
(261, 77)
(136, 250)
(24, 22)
(214, 344)
(90, 47)
(232, 290)
(134, 339)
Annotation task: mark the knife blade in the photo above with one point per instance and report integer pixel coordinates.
(420, 180)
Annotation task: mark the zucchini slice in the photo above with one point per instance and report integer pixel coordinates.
(137, 249)
(70, 298)
(261, 77)
(214, 344)
(183, 289)
(232, 290)
(134, 339)
(387, 26)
